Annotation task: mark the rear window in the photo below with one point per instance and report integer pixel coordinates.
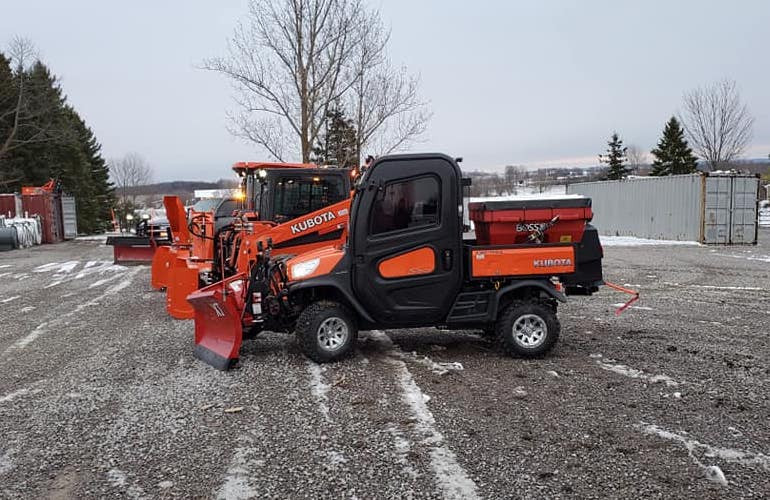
(298, 195)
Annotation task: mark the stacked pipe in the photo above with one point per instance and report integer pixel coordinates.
(20, 232)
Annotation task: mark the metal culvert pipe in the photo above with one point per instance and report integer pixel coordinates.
(9, 239)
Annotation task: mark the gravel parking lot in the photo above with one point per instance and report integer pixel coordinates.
(100, 395)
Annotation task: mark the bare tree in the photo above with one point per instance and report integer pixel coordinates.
(717, 123)
(289, 62)
(637, 158)
(127, 173)
(384, 102)
(514, 176)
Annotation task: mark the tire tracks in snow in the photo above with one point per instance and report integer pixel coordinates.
(450, 477)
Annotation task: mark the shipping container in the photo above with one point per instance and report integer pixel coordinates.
(48, 207)
(10, 205)
(69, 217)
(713, 208)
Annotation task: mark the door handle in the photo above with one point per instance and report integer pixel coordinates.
(447, 260)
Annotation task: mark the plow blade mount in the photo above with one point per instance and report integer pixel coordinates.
(182, 281)
(161, 262)
(218, 326)
(131, 249)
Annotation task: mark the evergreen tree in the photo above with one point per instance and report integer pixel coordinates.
(673, 155)
(615, 158)
(337, 144)
(52, 141)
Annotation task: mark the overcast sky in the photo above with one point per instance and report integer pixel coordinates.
(510, 82)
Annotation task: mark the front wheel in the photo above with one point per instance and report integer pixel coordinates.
(527, 328)
(326, 331)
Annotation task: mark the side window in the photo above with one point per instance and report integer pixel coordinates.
(226, 208)
(405, 204)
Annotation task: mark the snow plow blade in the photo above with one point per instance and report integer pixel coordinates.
(161, 262)
(182, 281)
(131, 249)
(218, 326)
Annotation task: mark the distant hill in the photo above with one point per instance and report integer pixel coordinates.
(181, 187)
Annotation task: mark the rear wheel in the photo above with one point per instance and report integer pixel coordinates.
(527, 328)
(326, 331)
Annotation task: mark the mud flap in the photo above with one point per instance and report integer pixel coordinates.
(161, 262)
(218, 326)
(182, 281)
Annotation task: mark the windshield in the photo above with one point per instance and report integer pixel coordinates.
(207, 205)
(298, 195)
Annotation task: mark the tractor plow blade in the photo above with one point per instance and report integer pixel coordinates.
(182, 281)
(218, 326)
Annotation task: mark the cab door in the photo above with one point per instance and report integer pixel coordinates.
(406, 239)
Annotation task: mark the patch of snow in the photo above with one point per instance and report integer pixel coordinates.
(29, 338)
(715, 287)
(104, 281)
(164, 485)
(631, 241)
(763, 258)
(5, 274)
(13, 395)
(627, 371)
(96, 237)
(402, 446)
(713, 473)
(451, 478)
(319, 388)
(53, 284)
(6, 464)
(336, 458)
(441, 368)
(237, 485)
(27, 309)
(5, 266)
(641, 308)
(10, 299)
(119, 479)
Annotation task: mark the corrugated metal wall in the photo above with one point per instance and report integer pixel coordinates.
(712, 209)
(69, 217)
(665, 208)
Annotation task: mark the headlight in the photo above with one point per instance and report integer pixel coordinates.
(303, 269)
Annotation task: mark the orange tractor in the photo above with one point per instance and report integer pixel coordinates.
(406, 263)
(288, 203)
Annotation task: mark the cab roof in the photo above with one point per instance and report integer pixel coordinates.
(258, 165)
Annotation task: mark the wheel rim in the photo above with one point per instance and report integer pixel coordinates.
(332, 334)
(529, 331)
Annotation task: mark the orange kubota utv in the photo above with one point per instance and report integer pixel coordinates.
(214, 242)
(406, 264)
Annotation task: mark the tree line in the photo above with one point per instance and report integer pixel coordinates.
(714, 120)
(43, 137)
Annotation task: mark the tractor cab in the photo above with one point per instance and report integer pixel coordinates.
(279, 192)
